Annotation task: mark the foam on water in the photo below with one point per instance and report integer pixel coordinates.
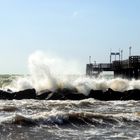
(89, 118)
(57, 111)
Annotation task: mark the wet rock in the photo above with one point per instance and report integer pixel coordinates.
(114, 95)
(25, 94)
(132, 94)
(44, 94)
(9, 90)
(97, 94)
(56, 95)
(66, 94)
(6, 95)
(107, 95)
(72, 94)
(77, 96)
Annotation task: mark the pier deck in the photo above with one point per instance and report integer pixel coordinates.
(129, 68)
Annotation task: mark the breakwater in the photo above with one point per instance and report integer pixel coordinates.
(71, 94)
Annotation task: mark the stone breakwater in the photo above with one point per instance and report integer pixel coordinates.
(70, 94)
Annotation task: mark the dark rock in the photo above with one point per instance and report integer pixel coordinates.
(9, 90)
(6, 95)
(57, 95)
(76, 96)
(107, 95)
(25, 94)
(97, 94)
(67, 91)
(114, 95)
(66, 94)
(72, 94)
(132, 94)
(42, 95)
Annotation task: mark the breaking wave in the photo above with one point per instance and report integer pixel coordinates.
(33, 119)
(74, 119)
(51, 73)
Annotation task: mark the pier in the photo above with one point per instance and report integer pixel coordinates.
(129, 68)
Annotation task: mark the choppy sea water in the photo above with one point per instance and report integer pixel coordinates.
(85, 119)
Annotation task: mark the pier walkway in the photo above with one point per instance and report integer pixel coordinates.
(129, 68)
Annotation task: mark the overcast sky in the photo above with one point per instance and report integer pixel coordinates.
(70, 29)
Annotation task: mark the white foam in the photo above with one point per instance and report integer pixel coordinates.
(49, 72)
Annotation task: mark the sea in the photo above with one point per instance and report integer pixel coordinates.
(87, 119)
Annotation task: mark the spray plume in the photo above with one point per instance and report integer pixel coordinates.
(48, 72)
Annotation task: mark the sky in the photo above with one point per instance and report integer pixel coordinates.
(71, 29)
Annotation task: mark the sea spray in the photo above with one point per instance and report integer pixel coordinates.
(118, 84)
(40, 73)
(134, 84)
(49, 72)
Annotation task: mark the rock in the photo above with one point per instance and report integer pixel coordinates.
(25, 94)
(66, 94)
(97, 94)
(114, 95)
(44, 94)
(72, 94)
(9, 90)
(57, 95)
(132, 94)
(6, 95)
(107, 95)
(76, 96)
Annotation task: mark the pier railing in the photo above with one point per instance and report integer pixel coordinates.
(134, 61)
(129, 67)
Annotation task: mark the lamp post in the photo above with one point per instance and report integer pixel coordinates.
(130, 50)
(89, 59)
(121, 55)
